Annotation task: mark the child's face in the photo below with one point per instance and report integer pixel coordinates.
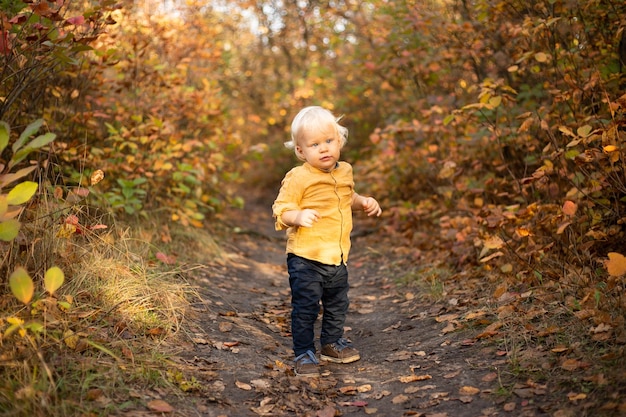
(320, 148)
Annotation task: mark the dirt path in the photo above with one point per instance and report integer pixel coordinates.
(414, 362)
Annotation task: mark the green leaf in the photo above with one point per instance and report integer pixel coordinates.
(21, 285)
(5, 132)
(21, 193)
(9, 230)
(494, 102)
(35, 327)
(64, 305)
(30, 130)
(42, 140)
(37, 143)
(102, 349)
(53, 279)
(449, 118)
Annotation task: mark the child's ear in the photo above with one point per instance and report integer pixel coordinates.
(299, 151)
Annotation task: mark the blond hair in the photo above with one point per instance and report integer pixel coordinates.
(314, 117)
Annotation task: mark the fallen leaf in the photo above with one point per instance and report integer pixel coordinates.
(350, 389)
(499, 291)
(559, 349)
(466, 399)
(572, 396)
(616, 265)
(71, 339)
(399, 399)
(569, 208)
(93, 394)
(491, 376)
(328, 411)
(467, 390)
(573, 364)
(509, 406)
(225, 327)
(413, 378)
(493, 242)
(166, 259)
(160, 406)
(353, 403)
(369, 410)
(260, 384)
(486, 334)
(449, 328)
(243, 386)
(399, 356)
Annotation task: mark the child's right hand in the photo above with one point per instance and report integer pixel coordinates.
(306, 218)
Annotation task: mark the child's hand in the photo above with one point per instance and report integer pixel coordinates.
(371, 207)
(306, 218)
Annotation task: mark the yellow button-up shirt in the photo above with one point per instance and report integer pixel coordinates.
(330, 193)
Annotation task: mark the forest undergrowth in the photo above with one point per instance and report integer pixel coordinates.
(493, 133)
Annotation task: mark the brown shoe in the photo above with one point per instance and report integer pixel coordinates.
(340, 352)
(307, 365)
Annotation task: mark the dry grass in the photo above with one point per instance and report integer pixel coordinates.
(126, 306)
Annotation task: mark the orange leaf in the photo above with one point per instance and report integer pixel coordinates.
(467, 390)
(413, 378)
(616, 265)
(569, 208)
(499, 291)
(573, 364)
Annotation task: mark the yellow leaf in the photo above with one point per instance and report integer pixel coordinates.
(9, 229)
(53, 279)
(541, 57)
(70, 339)
(495, 101)
(21, 193)
(21, 285)
(616, 265)
(96, 177)
(66, 231)
(609, 148)
(15, 320)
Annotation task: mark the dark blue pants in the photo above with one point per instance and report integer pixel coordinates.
(312, 282)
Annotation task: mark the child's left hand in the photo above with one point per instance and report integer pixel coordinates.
(371, 207)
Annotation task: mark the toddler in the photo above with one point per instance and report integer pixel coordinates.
(315, 205)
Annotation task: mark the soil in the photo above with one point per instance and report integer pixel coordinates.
(414, 361)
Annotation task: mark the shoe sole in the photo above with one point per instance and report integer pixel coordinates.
(309, 375)
(349, 359)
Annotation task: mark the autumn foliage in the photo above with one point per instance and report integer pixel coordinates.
(494, 131)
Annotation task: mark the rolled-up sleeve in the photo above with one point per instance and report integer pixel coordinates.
(288, 199)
